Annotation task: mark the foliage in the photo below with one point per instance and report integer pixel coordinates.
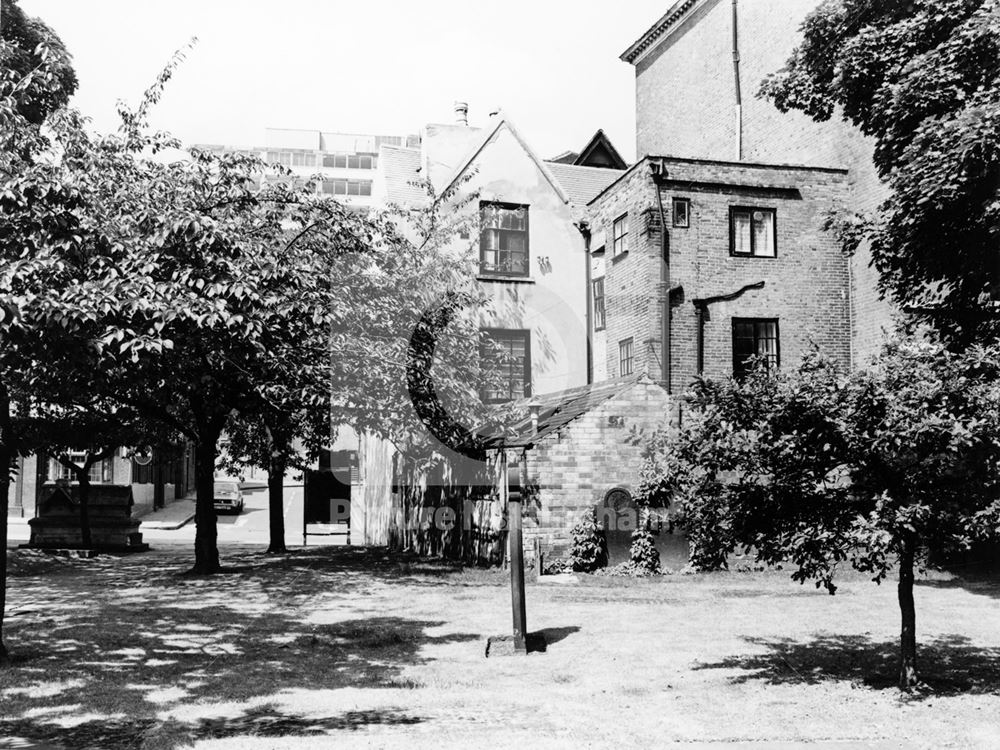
(589, 550)
(643, 553)
(815, 469)
(923, 79)
(29, 44)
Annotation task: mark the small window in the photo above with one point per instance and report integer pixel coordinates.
(366, 187)
(751, 232)
(507, 352)
(329, 160)
(754, 337)
(625, 357)
(367, 161)
(340, 187)
(353, 187)
(503, 239)
(303, 159)
(682, 212)
(354, 161)
(340, 161)
(619, 233)
(599, 304)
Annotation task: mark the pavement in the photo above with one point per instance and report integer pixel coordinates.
(173, 516)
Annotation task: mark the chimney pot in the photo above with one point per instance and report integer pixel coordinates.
(462, 113)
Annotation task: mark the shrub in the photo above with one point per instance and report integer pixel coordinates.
(643, 553)
(589, 551)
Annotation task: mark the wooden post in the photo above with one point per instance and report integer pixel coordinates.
(516, 555)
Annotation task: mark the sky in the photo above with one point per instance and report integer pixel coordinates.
(366, 66)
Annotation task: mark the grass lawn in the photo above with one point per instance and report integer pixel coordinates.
(341, 647)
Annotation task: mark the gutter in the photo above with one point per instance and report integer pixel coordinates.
(658, 172)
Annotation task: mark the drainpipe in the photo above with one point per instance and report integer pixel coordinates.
(658, 171)
(736, 79)
(701, 306)
(588, 296)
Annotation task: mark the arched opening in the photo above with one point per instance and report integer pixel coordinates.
(618, 515)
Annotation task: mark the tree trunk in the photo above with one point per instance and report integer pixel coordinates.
(908, 636)
(5, 461)
(83, 482)
(206, 548)
(276, 502)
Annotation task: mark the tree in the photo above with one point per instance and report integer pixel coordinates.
(28, 45)
(923, 79)
(877, 469)
(35, 78)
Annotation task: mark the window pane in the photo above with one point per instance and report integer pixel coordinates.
(340, 187)
(353, 187)
(741, 232)
(340, 161)
(366, 188)
(767, 342)
(763, 234)
(353, 161)
(365, 162)
(506, 354)
(503, 239)
(681, 209)
(329, 160)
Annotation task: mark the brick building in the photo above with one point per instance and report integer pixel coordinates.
(698, 70)
(751, 269)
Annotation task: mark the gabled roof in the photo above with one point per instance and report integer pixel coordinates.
(566, 157)
(659, 30)
(600, 152)
(583, 184)
(399, 168)
(556, 410)
(502, 121)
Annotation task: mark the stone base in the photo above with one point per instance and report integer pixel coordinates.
(504, 645)
(507, 645)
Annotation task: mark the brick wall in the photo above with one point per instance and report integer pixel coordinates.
(631, 311)
(685, 105)
(573, 469)
(805, 286)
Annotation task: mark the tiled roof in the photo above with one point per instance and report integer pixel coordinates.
(556, 410)
(400, 167)
(583, 184)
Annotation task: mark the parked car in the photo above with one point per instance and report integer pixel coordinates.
(228, 496)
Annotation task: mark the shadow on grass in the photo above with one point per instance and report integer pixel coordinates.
(981, 583)
(540, 640)
(150, 734)
(949, 665)
(103, 649)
